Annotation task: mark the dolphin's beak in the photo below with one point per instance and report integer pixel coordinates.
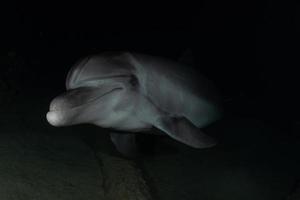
(73, 98)
(60, 110)
(66, 107)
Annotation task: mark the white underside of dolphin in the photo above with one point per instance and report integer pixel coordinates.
(134, 92)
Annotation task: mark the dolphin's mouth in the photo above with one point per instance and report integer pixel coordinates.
(65, 108)
(78, 97)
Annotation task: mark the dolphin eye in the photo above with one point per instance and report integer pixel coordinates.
(133, 80)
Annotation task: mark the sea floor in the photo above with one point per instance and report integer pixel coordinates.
(253, 160)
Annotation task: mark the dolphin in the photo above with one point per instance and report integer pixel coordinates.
(132, 93)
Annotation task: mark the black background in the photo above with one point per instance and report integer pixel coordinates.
(249, 49)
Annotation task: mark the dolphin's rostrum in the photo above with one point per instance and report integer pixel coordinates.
(135, 92)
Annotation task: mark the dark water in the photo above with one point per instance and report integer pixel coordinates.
(247, 50)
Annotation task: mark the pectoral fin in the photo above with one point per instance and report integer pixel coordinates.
(182, 130)
(178, 128)
(125, 143)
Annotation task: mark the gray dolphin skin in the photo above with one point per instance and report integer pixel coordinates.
(133, 93)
